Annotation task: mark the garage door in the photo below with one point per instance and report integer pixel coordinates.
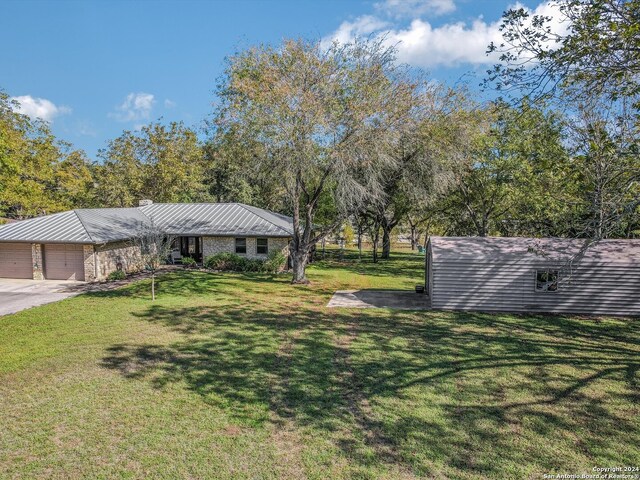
(15, 260)
(63, 262)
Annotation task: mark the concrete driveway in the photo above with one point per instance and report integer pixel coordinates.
(17, 295)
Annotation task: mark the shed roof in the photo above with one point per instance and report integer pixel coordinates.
(102, 225)
(556, 249)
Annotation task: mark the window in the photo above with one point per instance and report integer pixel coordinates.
(546, 280)
(262, 246)
(241, 245)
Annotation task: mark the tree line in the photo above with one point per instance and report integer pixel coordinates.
(343, 135)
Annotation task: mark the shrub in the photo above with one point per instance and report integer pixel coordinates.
(253, 265)
(275, 262)
(223, 261)
(188, 262)
(116, 275)
(231, 262)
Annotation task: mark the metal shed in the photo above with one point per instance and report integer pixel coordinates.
(533, 275)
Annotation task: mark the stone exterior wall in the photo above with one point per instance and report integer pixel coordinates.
(117, 255)
(36, 261)
(213, 245)
(89, 263)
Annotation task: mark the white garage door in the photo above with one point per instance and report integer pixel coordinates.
(15, 260)
(63, 262)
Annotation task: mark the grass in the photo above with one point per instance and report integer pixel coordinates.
(247, 376)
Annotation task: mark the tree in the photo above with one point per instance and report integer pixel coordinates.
(606, 159)
(424, 220)
(595, 66)
(74, 180)
(40, 174)
(314, 116)
(513, 179)
(160, 162)
(120, 176)
(155, 247)
(420, 156)
(591, 43)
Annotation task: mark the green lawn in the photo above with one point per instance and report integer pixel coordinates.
(246, 376)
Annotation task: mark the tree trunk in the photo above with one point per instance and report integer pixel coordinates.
(386, 241)
(374, 239)
(359, 244)
(153, 286)
(414, 237)
(299, 262)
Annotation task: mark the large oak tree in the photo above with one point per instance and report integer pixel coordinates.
(315, 116)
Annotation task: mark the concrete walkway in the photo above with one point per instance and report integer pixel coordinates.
(397, 299)
(17, 295)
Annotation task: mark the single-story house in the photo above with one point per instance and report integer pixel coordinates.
(88, 244)
(533, 275)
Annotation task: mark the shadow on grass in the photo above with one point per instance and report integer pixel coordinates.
(437, 394)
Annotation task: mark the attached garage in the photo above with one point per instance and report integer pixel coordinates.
(15, 260)
(63, 262)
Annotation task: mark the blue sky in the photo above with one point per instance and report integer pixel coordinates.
(93, 69)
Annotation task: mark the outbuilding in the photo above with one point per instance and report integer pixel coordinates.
(533, 275)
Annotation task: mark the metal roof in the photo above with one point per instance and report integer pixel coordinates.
(554, 249)
(111, 224)
(64, 226)
(223, 219)
(102, 225)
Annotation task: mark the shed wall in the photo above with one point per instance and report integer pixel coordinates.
(469, 283)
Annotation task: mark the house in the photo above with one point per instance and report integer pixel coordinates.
(533, 275)
(88, 244)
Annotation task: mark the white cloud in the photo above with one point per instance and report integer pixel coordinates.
(450, 44)
(169, 103)
(136, 106)
(361, 27)
(39, 107)
(415, 8)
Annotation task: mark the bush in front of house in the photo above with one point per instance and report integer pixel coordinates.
(275, 262)
(225, 261)
(189, 262)
(116, 275)
(230, 262)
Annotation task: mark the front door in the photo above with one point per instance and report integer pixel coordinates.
(191, 247)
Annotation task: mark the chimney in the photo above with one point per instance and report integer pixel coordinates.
(144, 203)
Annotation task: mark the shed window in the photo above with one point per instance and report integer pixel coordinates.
(241, 245)
(546, 280)
(262, 246)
